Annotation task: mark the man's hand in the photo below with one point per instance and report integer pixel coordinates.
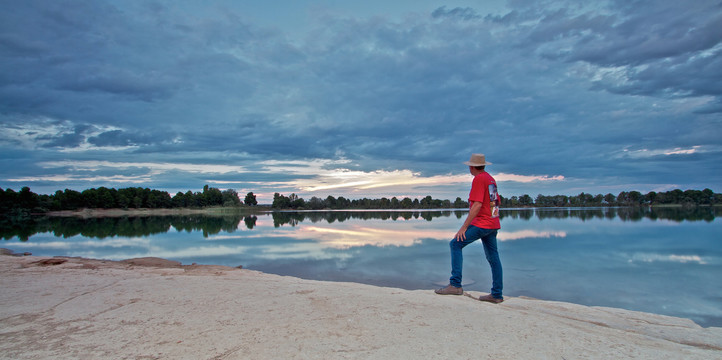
(461, 234)
(473, 211)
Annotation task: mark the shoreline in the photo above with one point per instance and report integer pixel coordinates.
(155, 308)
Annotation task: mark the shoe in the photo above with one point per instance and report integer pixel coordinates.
(491, 299)
(450, 290)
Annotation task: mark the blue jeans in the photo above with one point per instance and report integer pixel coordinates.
(488, 238)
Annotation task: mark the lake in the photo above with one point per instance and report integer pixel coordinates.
(663, 260)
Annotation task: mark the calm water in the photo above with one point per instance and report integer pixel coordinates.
(666, 261)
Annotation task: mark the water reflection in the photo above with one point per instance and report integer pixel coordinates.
(356, 235)
(658, 260)
(105, 227)
(622, 213)
(294, 217)
(683, 259)
(209, 225)
(529, 234)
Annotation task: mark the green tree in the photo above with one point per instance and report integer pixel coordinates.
(526, 200)
(28, 199)
(426, 203)
(107, 198)
(90, 198)
(212, 196)
(123, 200)
(250, 199)
(395, 203)
(707, 197)
(542, 200)
(179, 200)
(460, 204)
(71, 200)
(280, 201)
(315, 203)
(635, 198)
(296, 202)
(331, 202)
(342, 203)
(230, 198)
(610, 199)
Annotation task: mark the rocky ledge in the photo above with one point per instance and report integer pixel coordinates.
(159, 309)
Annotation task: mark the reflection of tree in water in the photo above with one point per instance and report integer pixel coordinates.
(623, 213)
(293, 218)
(250, 221)
(102, 228)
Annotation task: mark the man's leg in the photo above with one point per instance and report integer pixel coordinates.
(457, 255)
(492, 256)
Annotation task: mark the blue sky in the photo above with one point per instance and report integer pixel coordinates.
(361, 99)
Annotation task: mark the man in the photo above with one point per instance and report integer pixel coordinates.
(481, 223)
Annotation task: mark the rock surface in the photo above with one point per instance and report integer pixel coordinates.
(159, 309)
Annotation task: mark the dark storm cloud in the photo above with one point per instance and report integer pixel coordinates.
(460, 13)
(649, 31)
(70, 139)
(120, 138)
(664, 48)
(137, 86)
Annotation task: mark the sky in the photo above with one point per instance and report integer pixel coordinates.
(361, 99)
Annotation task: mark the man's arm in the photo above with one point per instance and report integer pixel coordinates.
(473, 211)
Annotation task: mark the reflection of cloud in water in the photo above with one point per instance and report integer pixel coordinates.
(314, 242)
(355, 236)
(225, 237)
(528, 234)
(299, 242)
(362, 236)
(650, 257)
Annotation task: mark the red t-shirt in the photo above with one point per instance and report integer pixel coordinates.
(483, 189)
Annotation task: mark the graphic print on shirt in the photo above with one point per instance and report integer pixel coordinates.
(494, 200)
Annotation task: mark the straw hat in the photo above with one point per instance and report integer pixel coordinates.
(477, 160)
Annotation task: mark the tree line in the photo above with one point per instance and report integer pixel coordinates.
(126, 198)
(26, 201)
(624, 198)
(330, 202)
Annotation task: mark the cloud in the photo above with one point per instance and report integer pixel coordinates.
(326, 176)
(154, 167)
(656, 153)
(144, 87)
(66, 136)
(501, 177)
(458, 12)
(316, 177)
(548, 88)
(648, 49)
